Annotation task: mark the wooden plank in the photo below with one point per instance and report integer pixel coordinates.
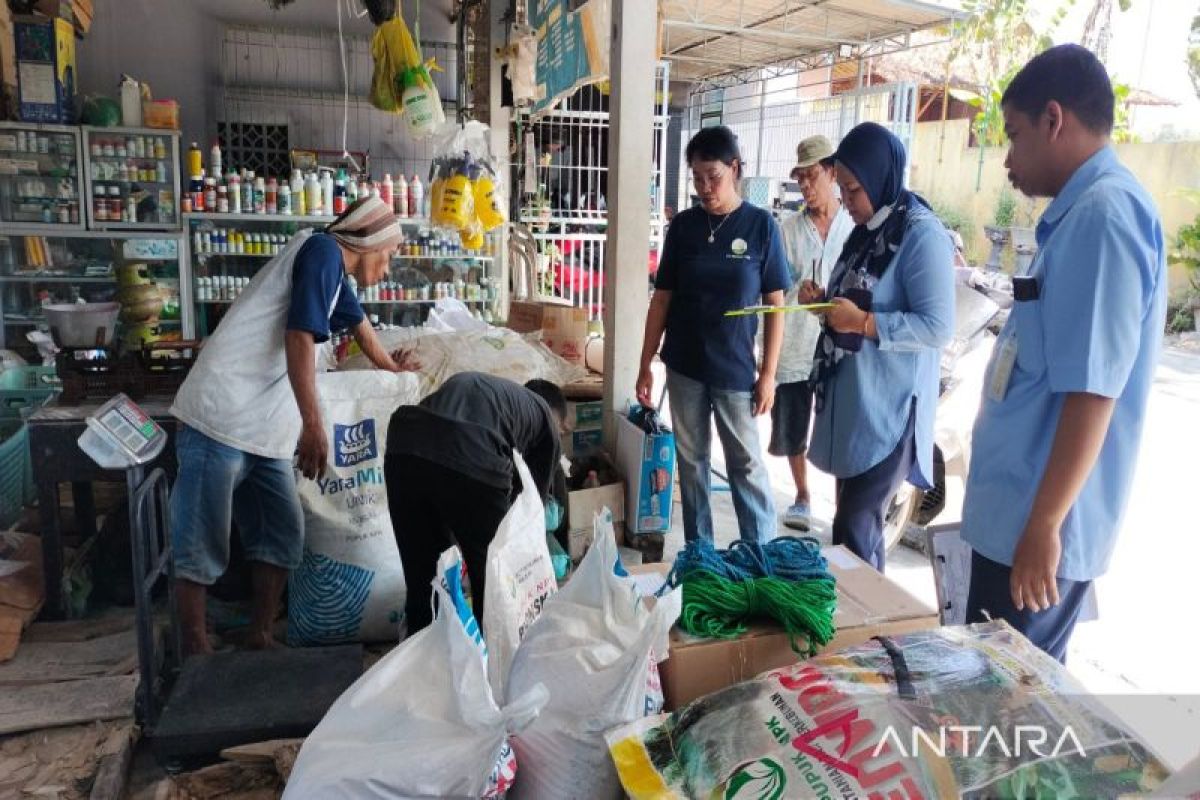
(82, 630)
(45, 662)
(53, 704)
(34, 764)
(112, 770)
(258, 752)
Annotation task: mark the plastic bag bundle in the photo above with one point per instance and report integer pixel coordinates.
(465, 185)
(596, 648)
(422, 722)
(972, 711)
(401, 82)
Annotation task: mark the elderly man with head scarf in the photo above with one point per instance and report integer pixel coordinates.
(250, 404)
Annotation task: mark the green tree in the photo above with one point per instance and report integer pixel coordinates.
(1193, 55)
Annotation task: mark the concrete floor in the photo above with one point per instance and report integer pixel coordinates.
(1141, 654)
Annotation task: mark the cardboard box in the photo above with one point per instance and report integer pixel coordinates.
(45, 69)
(582, 443)
(585, 416)
(582, 505)
(648, 464)
(868, 604)
(564, 328)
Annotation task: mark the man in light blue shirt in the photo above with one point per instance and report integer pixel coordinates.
(1058, 432)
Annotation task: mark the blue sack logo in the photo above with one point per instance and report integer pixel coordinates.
(354, 443)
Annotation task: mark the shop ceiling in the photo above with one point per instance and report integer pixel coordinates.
(714, 43)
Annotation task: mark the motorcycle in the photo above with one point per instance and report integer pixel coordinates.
(982, 300)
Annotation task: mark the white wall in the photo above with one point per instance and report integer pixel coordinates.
(175, 46)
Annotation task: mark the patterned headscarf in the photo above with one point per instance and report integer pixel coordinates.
(367, 225)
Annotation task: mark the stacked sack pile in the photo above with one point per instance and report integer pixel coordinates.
(786, 580)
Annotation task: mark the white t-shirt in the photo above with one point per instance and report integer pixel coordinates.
(238, 392)
(810, 259)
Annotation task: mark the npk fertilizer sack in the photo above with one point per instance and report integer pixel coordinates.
(972, 711)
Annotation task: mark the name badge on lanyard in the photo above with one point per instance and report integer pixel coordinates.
(1025, 290)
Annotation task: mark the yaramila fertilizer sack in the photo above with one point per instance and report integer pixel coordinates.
(350, 585)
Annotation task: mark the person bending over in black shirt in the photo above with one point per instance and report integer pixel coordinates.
(450, 474)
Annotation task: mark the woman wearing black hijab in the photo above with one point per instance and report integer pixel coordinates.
(876, 370)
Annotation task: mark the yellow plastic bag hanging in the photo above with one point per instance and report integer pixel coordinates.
(394, 53)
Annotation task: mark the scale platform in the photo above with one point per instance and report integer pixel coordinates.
(229, 699)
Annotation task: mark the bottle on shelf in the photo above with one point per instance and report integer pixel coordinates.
(312, 194)
(416, 197)
(283, 197)
(400, 191)
(339, 195)
(235, 193)
(210, 194)
(385, 189)
(272, 197)
(247, 192)
(215, 158)
(326, 193)
(223, 199)
(195, 161)
(297, 191)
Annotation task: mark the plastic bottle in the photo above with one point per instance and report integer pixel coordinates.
(416, 197)
(385, 189)
(297, 189)
(272, 197)
(195, 160)
(283, 198)
(131, 102)
(312, 194)
(235, 194)
(260, 196)
(197, 192)
(326, 193)
(339, 197)
(400, 197)
(210, 194)
(215, 157)
(422, 107)
(247, 192)
(223, 199)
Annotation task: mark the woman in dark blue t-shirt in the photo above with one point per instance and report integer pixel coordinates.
(722, 255)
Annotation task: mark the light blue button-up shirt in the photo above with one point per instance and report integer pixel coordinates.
(869, 398)
(1096, 327)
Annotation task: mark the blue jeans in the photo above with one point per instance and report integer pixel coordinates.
(693, 406)
(218, 484)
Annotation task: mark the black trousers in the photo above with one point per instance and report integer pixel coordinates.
(862, 500)
(432, 508)
(1050, 630)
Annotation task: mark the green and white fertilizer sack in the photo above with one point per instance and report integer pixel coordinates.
(972, 711)
(422, 722)
(350, 585)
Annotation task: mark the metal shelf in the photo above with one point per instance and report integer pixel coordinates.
(56, 279)
(64, 232)
(213, 216)
(236, 255)
(443, 258)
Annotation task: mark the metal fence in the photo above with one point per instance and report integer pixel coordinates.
(770, 119)
(560, 174)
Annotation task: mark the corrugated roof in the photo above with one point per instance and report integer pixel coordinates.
(708, 38)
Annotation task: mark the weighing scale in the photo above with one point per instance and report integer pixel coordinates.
(190, 712)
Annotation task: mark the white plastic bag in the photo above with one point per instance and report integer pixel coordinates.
(596, 648)
(520, 576)
(350, 585)
(422, 722)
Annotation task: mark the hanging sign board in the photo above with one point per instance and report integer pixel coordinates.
(572, 46)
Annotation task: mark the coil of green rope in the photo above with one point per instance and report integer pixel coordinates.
(720, 608)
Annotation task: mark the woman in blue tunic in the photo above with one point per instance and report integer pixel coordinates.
(876, 371)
